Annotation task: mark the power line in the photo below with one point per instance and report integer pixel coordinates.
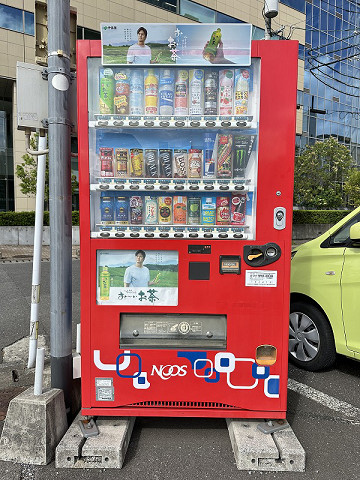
(334, 88)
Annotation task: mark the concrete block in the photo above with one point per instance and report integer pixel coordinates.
(9, 236)
(107, 450)
(254, 450)
(33, 427)
(75, 235)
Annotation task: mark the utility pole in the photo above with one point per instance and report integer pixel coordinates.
(59, 132)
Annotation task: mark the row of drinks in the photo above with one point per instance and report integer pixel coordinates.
(223, 156)
(173, 210)
(169, 91)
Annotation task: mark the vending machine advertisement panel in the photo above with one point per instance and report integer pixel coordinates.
(186, 183)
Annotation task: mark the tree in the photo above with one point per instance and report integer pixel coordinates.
(27, 174)
(352, 188)
(320, 173)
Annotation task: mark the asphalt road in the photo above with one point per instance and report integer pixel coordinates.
(324, 415)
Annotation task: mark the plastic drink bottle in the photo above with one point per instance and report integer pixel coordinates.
(151, 93)
(122, 92)
(136, 93)
(196, 92)
(105, 284)
(226, 92)
(107, 89)
(181, 93)
(242, 77)
(211, 49)
(166, 92)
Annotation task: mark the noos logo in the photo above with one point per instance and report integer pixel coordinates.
(167, 371)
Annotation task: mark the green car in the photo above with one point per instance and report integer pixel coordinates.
(325, 297)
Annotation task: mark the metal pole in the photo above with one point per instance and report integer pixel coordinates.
(267, 28)
(39, 370)
(36, 273)
(60, 196)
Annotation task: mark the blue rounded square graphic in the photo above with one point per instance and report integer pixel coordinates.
(273, 386)
(138, 371)
(224, 362)
(141, 380)
(255, 371)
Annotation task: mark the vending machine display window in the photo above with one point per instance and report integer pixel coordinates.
(173, 151)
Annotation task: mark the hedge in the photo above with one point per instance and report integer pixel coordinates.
(300, 217)
(26, 219)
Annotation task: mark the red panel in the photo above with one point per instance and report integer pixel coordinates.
(255, 316)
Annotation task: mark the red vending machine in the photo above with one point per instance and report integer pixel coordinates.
(186, 149)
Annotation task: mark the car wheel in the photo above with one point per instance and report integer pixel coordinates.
(311, 340)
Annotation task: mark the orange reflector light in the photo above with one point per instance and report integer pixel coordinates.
(266, 355)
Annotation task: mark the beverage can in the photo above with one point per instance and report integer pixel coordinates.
(121, 162)
(122, 92)
(194, 209)
(238, 208)
(166, 92)
(106, 162)
(195, 163)
(211, 93)
(210, 49)
(151, 210)
(242, 87)
(240, 153)
(209, 155)
(151, 163)
(165, 162)
(224, 156)
(180, 210)
(164, 209)
(107, 90)
(136, 92)
(181, 93)
(180, 163)
(196, 92)
(208, 210)
(151, 84)
(106, 210)
(226, 91)
(137, 162)
(122, 210)
(136, 210)
(222, 211)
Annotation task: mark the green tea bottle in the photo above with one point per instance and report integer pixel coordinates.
(105, 284)
(211, 49)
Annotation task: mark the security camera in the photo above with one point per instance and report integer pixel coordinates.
(271, 8)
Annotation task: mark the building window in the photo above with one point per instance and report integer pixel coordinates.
(196, 12)
(298, 5)
(171, 5)
(6, 146)
(87, 34)
(16, 20)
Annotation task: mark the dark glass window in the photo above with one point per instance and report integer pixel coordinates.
(87, 34)
(196, 12)
(11, 18)
(29, 23)
(296, 4)
(6, 146)
(170, 5)
(16, 20)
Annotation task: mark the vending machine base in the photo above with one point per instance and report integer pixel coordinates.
(253, 450)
